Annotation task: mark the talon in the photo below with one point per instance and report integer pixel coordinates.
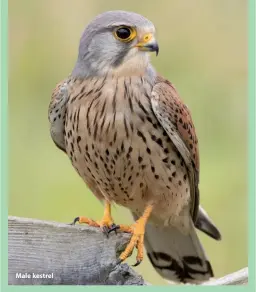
(137, 263)
(118, 262)
(114, 227)
(75, 220)
(106, 223)
(137, 239)
(105, 230)
(131, 245)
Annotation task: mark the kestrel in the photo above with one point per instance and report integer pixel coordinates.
(132, 140)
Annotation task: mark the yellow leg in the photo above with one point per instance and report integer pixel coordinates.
(106, 223)
(137, 239)
(107, 220)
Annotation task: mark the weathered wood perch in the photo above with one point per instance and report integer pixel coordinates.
(68, 255)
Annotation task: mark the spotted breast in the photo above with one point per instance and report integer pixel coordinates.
(115, 141)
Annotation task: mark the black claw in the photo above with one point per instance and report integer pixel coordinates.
(137, 263)
(75, 220)
(118, 262)
(114, 227)
(105, 230)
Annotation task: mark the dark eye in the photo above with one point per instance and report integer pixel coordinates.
(125, 33)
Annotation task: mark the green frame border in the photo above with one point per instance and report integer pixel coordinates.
(3, 143)
(4, 168)
(251, 141)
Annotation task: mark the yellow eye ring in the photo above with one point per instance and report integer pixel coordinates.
(125, 33)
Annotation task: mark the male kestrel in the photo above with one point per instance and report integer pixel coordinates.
(133, 142)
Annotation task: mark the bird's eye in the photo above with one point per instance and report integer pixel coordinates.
(125, 33)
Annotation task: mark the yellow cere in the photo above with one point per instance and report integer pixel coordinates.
(147, 37)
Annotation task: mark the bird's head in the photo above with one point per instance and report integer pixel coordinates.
(117, 43)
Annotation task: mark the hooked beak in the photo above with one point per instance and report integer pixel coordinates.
(148, 43)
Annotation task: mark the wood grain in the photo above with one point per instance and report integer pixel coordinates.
(74, 255)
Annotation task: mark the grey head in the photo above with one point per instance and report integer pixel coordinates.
(117, 43)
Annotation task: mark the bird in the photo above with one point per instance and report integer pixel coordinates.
(132, 140)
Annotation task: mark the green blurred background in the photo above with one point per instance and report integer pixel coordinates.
(203, 51)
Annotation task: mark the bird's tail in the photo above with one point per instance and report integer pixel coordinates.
(205, 224)
(176, 256)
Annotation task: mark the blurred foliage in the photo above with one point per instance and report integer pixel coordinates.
(203, 51)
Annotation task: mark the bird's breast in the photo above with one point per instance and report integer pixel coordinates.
(111, 110)
(116, 143)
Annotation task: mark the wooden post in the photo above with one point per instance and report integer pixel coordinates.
(50, 253)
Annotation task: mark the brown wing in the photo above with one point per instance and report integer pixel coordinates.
(57, 113)
(175, 118)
